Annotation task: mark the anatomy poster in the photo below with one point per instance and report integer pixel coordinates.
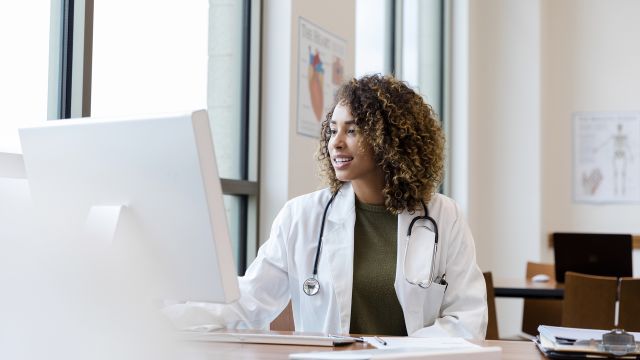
(321, 57)
(606, 157)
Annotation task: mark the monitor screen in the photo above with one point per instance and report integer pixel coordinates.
(592, 254)
(145, 190)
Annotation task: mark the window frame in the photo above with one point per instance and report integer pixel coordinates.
(70, 73)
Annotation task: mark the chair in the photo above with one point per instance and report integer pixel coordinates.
(284, 321)
(537, 312)
(629, 315)
(589, 301)
(492, 324)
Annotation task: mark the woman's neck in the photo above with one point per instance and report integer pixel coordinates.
(369, 192)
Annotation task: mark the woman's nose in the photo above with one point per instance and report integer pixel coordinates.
(338, 141)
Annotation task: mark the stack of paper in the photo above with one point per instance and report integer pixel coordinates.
(562, 343)
(409, 348)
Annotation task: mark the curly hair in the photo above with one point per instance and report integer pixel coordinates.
(404, 133)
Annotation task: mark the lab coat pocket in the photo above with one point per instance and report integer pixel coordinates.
(434, 296)
(320, 312)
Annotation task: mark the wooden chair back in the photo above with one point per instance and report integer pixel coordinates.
(492, 325)
(284, 321)
(537, 312)
(589, 301)
(629, 315)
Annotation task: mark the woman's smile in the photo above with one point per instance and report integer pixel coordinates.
(341, 162)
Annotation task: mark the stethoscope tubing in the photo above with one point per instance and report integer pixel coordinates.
(313, 283)
(324, 218)
(422, 284)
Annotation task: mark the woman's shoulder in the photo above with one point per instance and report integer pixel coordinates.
(310, 201)
(444, 205)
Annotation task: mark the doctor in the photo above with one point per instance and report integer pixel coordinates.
(342, 254)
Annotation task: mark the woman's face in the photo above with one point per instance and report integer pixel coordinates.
(352, 159)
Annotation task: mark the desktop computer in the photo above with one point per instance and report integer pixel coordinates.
(145, 191)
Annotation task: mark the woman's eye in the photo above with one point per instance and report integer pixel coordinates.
(332, 132)
(351, 131)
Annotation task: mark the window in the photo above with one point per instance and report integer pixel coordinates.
(152, 57)
(421, 49)
(23, 68)
(406, 38)
(374, 36)
(149, 57)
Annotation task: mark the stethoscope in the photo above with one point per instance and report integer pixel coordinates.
(311, 286)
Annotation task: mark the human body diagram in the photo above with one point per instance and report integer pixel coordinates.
(621, 155)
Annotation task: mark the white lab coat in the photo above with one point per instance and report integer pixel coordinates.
(285, 261)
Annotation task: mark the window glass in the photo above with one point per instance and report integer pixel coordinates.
(373, 33)
(232, 205)
(422, 54)
(225, 85)
(167, 57)
(149, 57)
(162, 56)
(24, 66)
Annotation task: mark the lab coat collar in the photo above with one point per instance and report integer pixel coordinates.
(343, 205)
(338, 250)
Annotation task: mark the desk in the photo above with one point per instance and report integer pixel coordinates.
(511, 350)
(523, 288)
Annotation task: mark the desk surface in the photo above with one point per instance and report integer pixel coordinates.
(511, 350)
(523, 288)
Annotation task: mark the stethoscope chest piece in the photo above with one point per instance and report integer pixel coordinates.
(311, 286)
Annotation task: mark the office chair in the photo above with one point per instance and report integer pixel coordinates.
(492, 324)
(629, 314)
(537, 312)
(589, 301)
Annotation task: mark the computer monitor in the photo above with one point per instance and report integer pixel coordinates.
(145, 190)
(593, 254)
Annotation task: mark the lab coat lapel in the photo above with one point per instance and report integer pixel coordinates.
(338, 250)
(410, 297)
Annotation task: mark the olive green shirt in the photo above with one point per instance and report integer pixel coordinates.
(375, 308)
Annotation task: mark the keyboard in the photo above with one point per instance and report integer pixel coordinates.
(268, 338)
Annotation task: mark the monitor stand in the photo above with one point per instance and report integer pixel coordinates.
(102, 223)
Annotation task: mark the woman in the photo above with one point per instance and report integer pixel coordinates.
(382, 153)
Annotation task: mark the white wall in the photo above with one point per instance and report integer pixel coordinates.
(288, 163)
(531, 64)
(504, 140)
(591, 55)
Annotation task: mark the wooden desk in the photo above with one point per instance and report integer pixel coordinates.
(523, 288)
(511, 350)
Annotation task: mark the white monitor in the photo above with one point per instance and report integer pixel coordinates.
(146, 190)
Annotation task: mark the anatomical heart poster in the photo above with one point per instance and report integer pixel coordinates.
(321, 58)
(606, 157)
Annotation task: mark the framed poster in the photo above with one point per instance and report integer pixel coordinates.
(321, 57)
(606, 157)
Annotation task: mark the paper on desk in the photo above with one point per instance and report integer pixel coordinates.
(553, 332)
(430, 343)
(412, 353)
(573, 340)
